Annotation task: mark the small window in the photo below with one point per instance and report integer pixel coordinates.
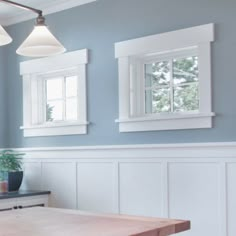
(165, 81)
(172, 86)
(61, 99)
(55, 95)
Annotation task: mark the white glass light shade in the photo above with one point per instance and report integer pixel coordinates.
(40, 43)
(5, 38)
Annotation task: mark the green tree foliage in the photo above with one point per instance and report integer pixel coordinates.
(49, 110)
(186, 98)
(160, 73)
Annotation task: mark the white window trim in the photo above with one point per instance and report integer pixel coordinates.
(132, 118)
(38, 69)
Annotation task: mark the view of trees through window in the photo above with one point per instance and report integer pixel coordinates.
(172, 85)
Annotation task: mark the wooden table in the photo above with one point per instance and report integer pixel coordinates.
(60, 222)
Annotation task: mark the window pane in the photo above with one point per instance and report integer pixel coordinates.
(185, 70)
(54, 88)
(186, 98)
(71, 86)
(54, 111)
(158, 101)
(71, 109)
(157, 74)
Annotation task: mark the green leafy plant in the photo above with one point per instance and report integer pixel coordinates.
(10, 161)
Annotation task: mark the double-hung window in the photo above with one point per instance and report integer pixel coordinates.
(54, 94)
(165, 81)
(172, 83)
(61, 100)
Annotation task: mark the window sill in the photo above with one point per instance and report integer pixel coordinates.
(166, 122)
(55, 129)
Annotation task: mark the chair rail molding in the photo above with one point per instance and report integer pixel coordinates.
(199, 150)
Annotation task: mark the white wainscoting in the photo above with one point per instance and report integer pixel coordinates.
(186, 181)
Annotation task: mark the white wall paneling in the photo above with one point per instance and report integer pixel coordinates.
(141, 182)
(32, 175)
(193, 192)
(95, 183)
(188, 181)
(60, 178)
(231, 199)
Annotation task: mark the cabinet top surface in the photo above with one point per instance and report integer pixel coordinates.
(22, 193)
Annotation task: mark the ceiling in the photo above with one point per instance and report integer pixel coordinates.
(11, 15)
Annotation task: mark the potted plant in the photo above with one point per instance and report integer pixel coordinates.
(3, 182)
(11, 163)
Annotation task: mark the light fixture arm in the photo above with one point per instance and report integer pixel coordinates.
(39, 12)
(40, 43)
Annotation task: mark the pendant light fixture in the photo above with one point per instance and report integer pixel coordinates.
(5, 38)
(40, 42)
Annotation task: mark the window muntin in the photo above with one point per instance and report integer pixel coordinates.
(61, 99)
(172, 85)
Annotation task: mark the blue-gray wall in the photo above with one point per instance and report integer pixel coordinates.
(3, 99)
(97, 26)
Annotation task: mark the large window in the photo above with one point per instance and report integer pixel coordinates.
(165, 81)
(55, 95)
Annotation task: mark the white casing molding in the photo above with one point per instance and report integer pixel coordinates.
(190, 181)
(58, 62)
(165, 41)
